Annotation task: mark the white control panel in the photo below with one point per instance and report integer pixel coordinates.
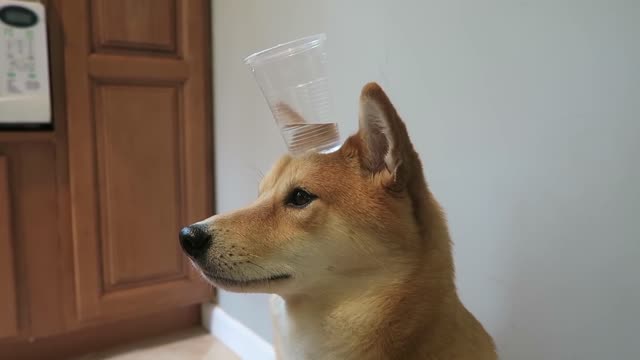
(24, 65)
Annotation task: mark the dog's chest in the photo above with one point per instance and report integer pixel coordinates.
(290, 342)
(304, 337)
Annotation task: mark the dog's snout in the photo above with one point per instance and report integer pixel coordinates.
(195, 240)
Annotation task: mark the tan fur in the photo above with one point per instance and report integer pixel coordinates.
(370, 260)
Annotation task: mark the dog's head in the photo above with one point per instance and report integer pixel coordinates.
(322, 218)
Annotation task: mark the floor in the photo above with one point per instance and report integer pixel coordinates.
(194, 344)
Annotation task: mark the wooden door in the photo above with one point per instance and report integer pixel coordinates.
(140, 151)
(8, 308)
(35, 264)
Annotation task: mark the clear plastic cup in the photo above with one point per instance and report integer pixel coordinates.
(293, 79)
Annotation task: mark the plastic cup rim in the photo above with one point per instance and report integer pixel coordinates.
(287, 49)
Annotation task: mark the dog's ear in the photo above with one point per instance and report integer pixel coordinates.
(382, 140)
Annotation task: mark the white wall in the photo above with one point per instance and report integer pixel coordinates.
(527, 115)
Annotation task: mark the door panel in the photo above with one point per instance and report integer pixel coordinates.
(149, 25)
(141, 167)
(35, 229)
(137, 165)
(8, 308)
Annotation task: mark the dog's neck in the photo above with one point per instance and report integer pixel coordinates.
(370, 315)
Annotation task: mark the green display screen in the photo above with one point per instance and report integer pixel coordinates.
(18, 16)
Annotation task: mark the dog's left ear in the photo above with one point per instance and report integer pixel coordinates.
(382, 137)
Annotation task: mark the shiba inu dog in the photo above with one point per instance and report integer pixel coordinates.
(356, 247)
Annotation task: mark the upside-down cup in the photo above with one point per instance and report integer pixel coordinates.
(293, 80)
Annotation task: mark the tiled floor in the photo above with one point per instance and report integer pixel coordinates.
(195, 344)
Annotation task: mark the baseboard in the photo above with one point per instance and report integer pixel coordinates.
(237, 337)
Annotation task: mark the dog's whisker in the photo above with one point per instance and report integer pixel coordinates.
(254, 264)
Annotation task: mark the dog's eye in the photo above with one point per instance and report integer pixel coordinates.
(300, 198)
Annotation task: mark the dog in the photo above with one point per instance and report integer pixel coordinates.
(355, 246)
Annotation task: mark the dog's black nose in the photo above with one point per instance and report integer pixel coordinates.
(195, 240)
